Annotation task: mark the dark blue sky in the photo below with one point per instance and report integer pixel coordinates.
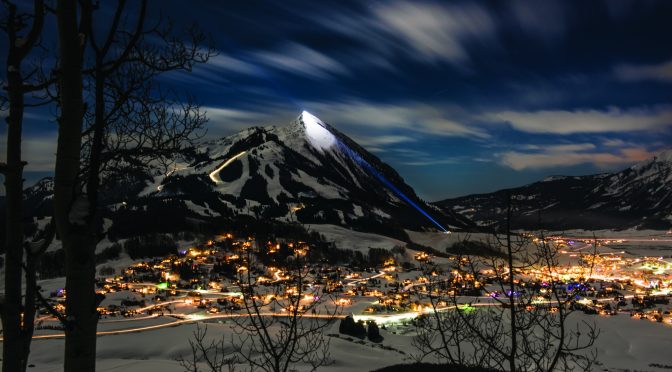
(459, 96)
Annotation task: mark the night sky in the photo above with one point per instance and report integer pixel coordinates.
(459, 96)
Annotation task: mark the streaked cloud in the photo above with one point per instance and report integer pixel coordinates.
(299, 59)
(560, 148)
(226, 62)
(570, 155)
(586, 121)
(616, 142)
(224, 121)
(289, 57)
(410, 152)
(219, 69)
(412, 118)
(372, 124)
(233, 116)
(430, 161)
(383, 140)
(424, 31)
(657, 72)
(39, 150)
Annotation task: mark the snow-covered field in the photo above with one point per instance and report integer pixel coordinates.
(157, 350)
(624, 343)
(441, 240)
(355, 240)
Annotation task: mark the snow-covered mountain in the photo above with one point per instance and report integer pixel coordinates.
(306, 172)
(639, 196)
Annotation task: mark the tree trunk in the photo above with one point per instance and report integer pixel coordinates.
(29, 311)
(13, 171)
(80, 303)
(16, 343)
(70, 206)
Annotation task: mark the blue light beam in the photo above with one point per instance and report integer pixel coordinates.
(356, 157)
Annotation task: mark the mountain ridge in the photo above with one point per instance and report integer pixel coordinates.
(309, 172)
(639, 196)
(306, 172)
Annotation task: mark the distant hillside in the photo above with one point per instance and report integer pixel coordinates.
(636, 197)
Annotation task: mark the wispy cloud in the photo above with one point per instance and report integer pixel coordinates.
(410, 152)
(219, 68)
(586, 121)
(395, 129)
(290, 56)
(430, 161)
(377, 126)
(383, 140)
(230, 116)
(572, 147)
(424, 31)
(617, 142)
(411, 117)
(223, 121)
(570, 155)
(301, 60)
(39, 150)
(230, 63)
(656, 72)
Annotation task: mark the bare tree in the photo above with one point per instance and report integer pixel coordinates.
(282, 321)
(23, 29)
(524, 324)
(442, 333)
(212, 353)
(69, 206)
(133, 124)
(277, 343)
(125, 120)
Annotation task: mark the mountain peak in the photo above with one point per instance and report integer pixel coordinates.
(306, 114)
(316, 131)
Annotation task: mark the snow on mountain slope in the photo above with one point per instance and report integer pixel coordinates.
(344, 238)
(639, 196)
(306, 171)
